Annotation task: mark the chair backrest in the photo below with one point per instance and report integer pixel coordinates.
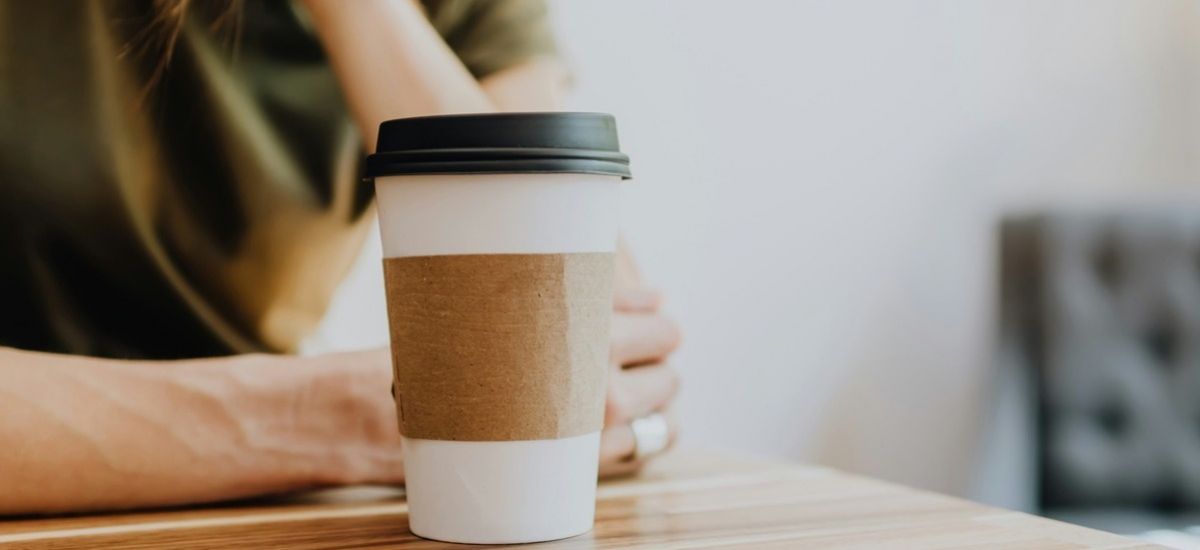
(1105, 308)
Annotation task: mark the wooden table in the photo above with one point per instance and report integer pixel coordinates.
(685, 500)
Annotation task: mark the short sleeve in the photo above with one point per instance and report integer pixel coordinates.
(492, 35)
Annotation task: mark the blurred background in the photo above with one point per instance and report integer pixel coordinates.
(820, 188)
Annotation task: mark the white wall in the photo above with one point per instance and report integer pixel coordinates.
(817, 183)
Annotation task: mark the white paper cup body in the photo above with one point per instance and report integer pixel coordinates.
(499, 492)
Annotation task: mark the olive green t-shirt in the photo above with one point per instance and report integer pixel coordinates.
(212, 213)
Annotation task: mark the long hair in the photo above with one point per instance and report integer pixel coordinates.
(160, 34)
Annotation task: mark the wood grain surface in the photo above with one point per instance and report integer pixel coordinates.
(688, 499)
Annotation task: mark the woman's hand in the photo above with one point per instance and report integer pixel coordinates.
(360, 419)
(641, 382)
(344, 401)
(90, 434)
(359, 413)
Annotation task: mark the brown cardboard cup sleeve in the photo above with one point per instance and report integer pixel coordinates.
(499, 347)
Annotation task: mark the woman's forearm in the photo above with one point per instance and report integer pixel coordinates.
(392, 63)
(92, 434)
(83, 434)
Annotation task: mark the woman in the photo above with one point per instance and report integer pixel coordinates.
(181, 198)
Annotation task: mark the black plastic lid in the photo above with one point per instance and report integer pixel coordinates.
(499, 143)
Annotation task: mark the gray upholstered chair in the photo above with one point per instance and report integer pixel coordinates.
(1100, 345)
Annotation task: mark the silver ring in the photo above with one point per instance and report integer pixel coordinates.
(651, 435)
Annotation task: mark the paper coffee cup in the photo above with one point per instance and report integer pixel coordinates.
(499, 233)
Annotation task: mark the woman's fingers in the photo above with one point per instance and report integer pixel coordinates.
(618, 446)
(639, 337)
(637, 392)
(634, 393)
(616, 451)
(642, 338)
(348, 405)
(637, 300)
